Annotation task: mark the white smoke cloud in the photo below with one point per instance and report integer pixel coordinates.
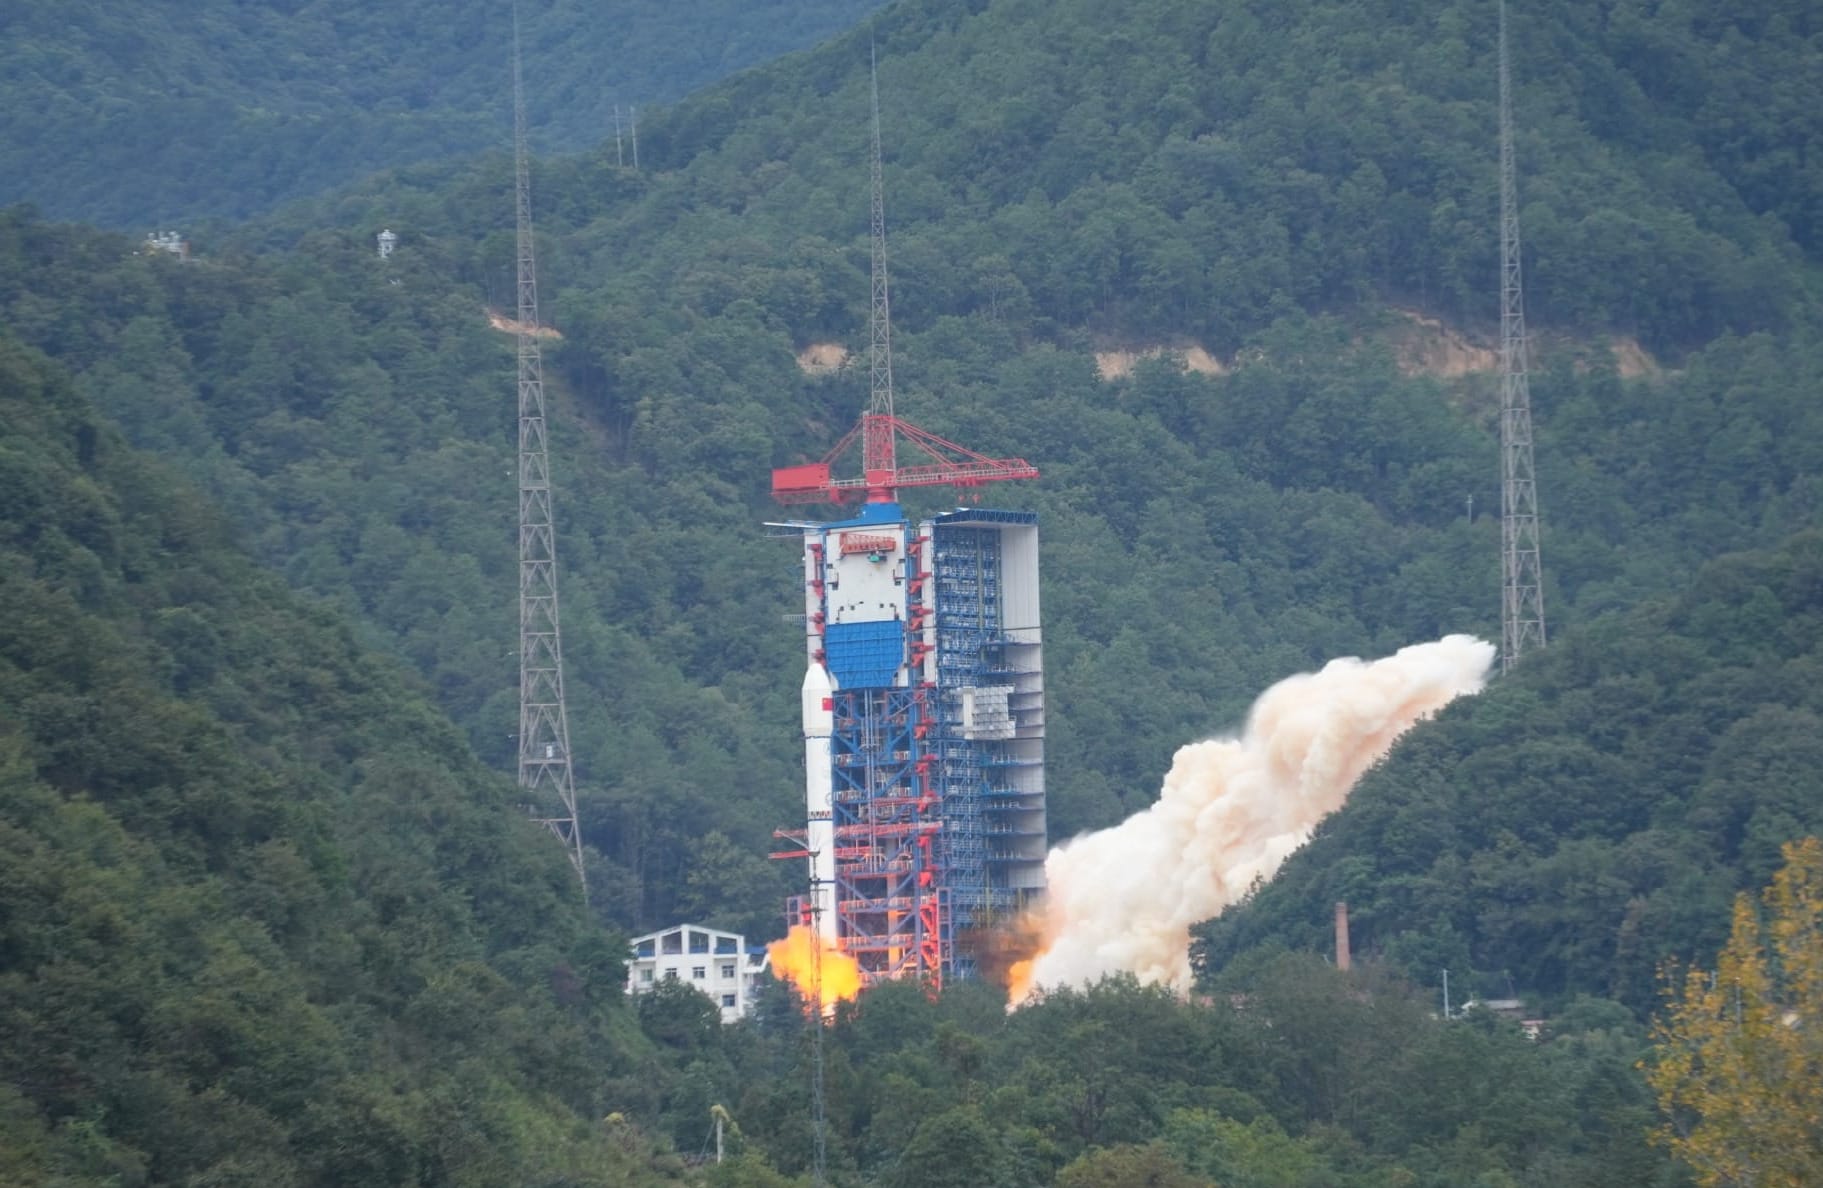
(1231, 810)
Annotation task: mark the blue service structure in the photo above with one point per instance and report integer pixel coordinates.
(924, 733)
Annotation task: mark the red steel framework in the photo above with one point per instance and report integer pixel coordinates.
(950, 465)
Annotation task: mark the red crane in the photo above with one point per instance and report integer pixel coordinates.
(950, 465)
(881, 476)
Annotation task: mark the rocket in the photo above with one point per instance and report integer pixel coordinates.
(819, 796)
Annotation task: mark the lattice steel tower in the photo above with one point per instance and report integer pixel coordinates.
(1522, 577)
(545, 776)
(877, 448)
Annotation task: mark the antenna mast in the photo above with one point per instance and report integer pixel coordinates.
(945, 464)
(545, 776)
(1522, 577)
(877, 451)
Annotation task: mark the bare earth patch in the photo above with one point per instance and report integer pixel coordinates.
(1113, 365)
(1203, 363)
(822, 358)
(1422, 345)
(500, 321)
(1428, 347)
(1631, 360)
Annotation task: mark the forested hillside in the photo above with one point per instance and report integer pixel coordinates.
(214, 789)
(263, 917)
(1205, 535)
(1202, 170)
(1569, 828)
(1304, 1077)
(159, 114)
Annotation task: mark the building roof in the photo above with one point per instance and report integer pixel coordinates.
(680, 927)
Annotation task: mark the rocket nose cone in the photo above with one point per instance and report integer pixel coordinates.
(817, 679)
(819, 702)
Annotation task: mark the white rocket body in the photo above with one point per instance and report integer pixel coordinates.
(819, 795)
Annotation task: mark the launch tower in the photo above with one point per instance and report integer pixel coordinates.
(923, 700)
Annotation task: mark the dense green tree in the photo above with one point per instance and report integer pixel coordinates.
(1150, 1166)
(954, 1148)
(264, 915)
(228, 109)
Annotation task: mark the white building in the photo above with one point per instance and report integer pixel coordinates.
(718, 963)
(168, 241)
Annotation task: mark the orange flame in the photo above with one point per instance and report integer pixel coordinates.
(805, 960)
(1007, 951)
(1019, 981)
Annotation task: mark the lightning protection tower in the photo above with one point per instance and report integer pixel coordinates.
(923, 699)
(545, 775)
(1522, 577)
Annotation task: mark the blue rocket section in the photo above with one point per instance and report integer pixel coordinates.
(864, 655)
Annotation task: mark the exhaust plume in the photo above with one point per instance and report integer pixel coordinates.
(1124, 899)
(821, 972)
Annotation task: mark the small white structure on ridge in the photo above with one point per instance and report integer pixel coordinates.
(387, 241)
(168, 241)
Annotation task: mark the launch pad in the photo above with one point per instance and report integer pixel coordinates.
(923, 716)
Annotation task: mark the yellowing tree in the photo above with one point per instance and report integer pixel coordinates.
(1738, 1066)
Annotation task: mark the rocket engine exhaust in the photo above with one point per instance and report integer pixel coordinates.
(816, 968)
(1231, 810)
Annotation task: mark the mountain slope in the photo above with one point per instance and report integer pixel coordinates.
(262, 915)
(224, 109)
(1197, 170)
(1591, 815)
(1192, 174)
